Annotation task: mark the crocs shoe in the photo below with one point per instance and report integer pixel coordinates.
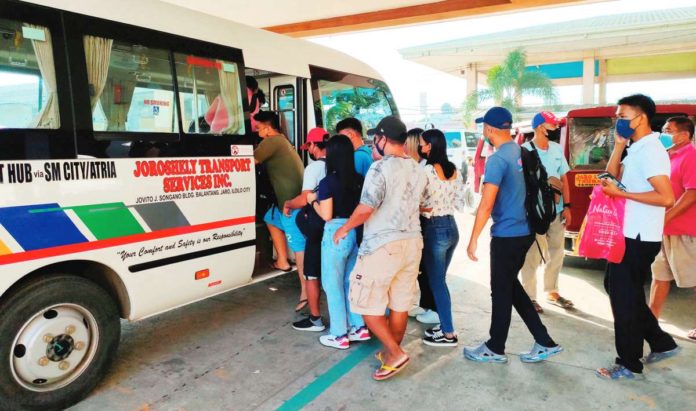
(483, 354)
(654, 356)
(540, 353)
(428, 317)
(618, 372)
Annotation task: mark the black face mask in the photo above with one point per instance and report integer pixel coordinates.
(380, 150)
(421, 154)
(312, 157)
(554, 135)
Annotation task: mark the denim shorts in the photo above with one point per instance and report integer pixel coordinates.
(296, 240)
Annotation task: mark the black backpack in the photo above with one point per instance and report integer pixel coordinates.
(539, 201)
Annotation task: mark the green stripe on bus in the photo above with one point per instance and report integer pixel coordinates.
(108, 220)
(327, 379)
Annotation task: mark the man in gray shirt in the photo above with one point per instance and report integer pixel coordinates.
(387, 269)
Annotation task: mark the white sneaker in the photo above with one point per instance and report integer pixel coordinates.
(416, 310)
(428, 317)
(332, 341)
(361, 334)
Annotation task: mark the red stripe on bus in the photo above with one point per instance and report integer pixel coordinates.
(112, 242)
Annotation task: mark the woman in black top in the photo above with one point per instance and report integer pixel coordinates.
(339, 195)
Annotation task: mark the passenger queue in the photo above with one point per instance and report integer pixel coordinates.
(372, 226)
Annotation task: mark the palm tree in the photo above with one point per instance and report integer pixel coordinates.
(508, 83)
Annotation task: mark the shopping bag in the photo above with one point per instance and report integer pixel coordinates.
(602, 235)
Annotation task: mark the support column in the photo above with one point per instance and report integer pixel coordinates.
(588, 75)
(471, 74)
(602, 80)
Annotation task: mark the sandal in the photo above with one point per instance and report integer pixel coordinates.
(301, 305)
(392, 370)
(537, 307)
(692, 334)
(274, 265)
(561, 302)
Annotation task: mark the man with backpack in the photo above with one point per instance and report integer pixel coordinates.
(549, 246)
(504, 197)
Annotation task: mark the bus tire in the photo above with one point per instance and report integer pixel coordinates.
(58, 336)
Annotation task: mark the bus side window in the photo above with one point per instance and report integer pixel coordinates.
(28, 89)
(131, 87)
(210, 95)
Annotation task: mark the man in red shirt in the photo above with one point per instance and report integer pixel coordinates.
(677, 259)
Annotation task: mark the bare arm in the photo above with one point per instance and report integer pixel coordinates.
(297, 202)
(490, 192)
(686, 201)
(358, 218)
(566, 198)
(661, 196)
(325, 209)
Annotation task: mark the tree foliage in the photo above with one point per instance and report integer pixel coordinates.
(508, 83)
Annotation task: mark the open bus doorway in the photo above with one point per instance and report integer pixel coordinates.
(281, 94)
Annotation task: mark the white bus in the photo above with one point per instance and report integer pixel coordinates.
(127, 180)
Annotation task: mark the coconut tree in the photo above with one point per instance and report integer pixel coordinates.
(508, 83)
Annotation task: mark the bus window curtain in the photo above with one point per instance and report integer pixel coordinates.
(98, 56)
(229, 90)
(49, 116)
(117, 113)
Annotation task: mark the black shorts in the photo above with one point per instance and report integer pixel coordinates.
(312, 260)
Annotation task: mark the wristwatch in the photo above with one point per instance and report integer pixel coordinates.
(568, 205)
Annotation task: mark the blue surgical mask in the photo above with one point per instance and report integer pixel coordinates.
(623, 128)
(666, 140)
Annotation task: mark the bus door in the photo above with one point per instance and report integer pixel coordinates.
(284, 102)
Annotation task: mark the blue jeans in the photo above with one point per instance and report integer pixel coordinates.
(440, 238)
(337, 262)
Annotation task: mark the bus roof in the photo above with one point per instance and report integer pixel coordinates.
(262, 49)
(610, 111)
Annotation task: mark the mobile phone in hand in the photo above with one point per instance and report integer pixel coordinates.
(613, 179)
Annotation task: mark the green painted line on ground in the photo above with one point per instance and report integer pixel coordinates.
(327, 379)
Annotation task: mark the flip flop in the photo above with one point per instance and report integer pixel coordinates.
(301, 305)
(392, 370)
(561, 302)
(692, 334)
(537, 307)
(274, 265)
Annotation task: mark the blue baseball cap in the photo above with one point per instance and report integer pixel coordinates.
(498, 117)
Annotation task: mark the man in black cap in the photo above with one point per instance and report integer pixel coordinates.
(386, 272)
(503, 198)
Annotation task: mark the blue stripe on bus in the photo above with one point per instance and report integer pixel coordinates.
(34, 231)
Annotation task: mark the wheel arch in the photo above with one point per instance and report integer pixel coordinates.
(100, 274)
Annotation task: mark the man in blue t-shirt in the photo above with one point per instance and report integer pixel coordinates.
(503, 198)
(352, 128)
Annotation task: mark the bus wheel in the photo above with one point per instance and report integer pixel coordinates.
(58, 335)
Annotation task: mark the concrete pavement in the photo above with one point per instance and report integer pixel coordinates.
(238, 352)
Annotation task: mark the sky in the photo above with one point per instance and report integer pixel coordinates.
(408, 80)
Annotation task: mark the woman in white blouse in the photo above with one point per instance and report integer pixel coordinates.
(444, 195)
